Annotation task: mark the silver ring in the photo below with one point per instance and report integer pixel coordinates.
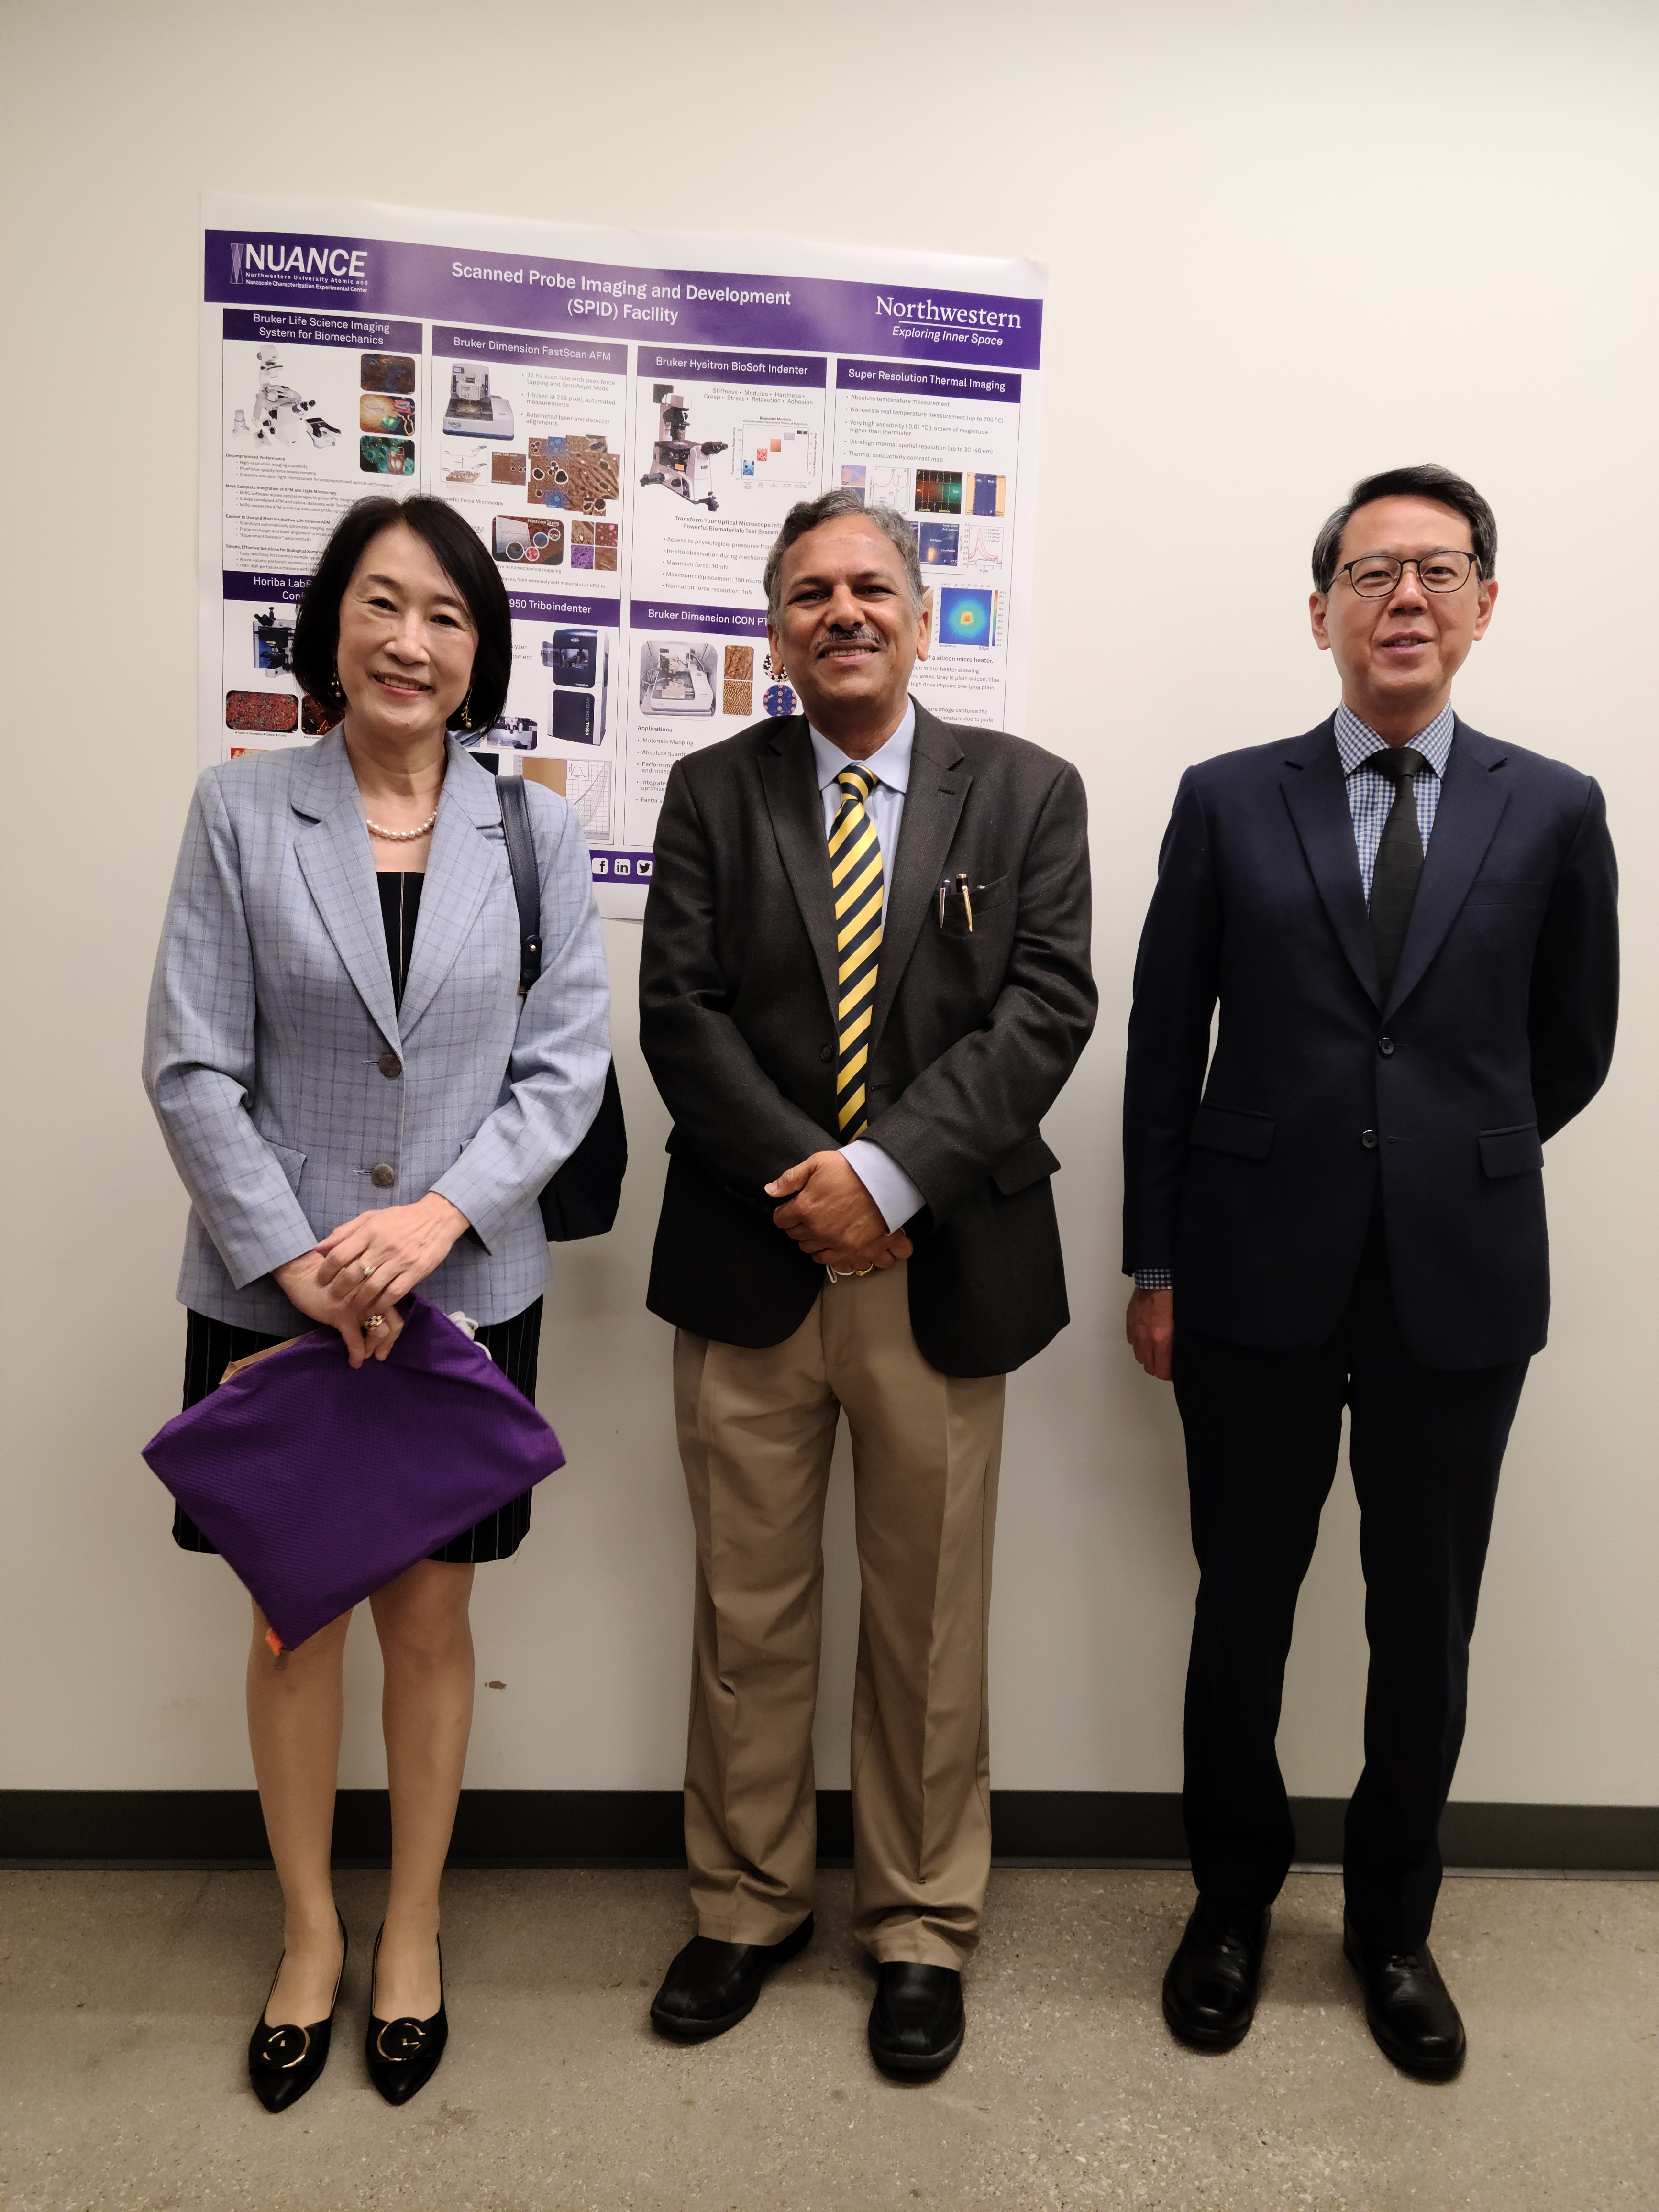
(369, 1266)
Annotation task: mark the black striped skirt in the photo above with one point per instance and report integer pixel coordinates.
(210, 1345)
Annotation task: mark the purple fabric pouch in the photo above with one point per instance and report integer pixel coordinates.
(318, 1485)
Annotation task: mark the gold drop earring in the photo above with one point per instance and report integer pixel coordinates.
(466, 710)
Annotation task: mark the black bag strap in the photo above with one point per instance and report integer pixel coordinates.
(582, 1197)
(527, 877)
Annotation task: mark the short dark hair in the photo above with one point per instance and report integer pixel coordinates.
(1428, 480)
(811, 513)
(458, 552)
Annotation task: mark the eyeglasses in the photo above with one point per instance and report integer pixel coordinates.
(1376, 576)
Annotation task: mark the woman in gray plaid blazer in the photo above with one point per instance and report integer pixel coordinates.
(359, 1101)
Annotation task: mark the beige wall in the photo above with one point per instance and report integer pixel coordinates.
(1287, 244)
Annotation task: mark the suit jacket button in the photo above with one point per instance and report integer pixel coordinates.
(1367, 1137)
(383, 1177)
(826, 1052)
(1384, 1045)
(390, 1065)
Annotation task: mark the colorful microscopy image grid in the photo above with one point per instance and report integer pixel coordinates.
(939, 491)
(386, 457)
(386, 414)
(967, 618)
(377, 412)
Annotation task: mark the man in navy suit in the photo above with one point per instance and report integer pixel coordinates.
(1411, 932)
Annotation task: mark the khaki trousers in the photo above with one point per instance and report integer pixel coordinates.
(756, 1430)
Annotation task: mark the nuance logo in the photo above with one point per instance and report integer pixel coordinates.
(274, 257)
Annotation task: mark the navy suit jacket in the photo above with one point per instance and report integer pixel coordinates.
(1256, 1183)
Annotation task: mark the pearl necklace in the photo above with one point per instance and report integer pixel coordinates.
(401, 836)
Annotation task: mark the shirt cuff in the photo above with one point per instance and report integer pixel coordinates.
(1154, 1279)
(895, 1196)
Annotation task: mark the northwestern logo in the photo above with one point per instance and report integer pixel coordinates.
(930, 310)
(273, 259)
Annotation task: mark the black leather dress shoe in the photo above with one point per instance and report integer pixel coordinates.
(403, 2055)
(711, 1985)
(1408, 2009)
(917, 2021)
(283, 2063)
(1209, 1990)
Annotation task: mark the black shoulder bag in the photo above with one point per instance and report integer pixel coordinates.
(582, 1197)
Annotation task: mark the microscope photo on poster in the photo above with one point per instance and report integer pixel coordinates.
(624, 417)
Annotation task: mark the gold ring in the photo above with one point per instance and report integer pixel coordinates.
(368, 1269)
(375, 1321)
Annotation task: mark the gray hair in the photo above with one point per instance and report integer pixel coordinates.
(809, 514)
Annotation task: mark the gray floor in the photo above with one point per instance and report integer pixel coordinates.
(126, 2000)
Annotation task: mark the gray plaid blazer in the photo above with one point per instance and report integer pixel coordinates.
(283, 1075)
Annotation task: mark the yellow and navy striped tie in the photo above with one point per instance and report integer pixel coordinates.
(855, 876)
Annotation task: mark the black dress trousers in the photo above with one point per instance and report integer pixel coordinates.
(1263, 1431)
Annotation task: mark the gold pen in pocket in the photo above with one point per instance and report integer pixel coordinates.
(961, 889)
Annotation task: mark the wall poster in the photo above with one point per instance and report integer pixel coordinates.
(624, 417)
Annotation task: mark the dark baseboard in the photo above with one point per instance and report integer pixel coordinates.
(641, 1827)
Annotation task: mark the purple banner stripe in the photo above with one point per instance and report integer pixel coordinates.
(710, 622)
(602, 614)
(510, 346)
(292, 326)
(630, 867)
(262, 584)
(804, 314)
(801, 372)
(947, 378)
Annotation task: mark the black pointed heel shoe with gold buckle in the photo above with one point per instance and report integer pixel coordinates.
(283, 2063)
(403, 2055)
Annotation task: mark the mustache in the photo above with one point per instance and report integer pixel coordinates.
(862, 635)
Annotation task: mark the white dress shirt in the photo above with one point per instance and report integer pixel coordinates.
(895, 1196)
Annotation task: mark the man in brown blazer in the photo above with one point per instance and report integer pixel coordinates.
(865, 979)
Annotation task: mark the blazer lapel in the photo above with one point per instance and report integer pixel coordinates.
(333, 851)
(1317, 795)
(461, 866)
(792, 800)
(933, 807)
(1471, 802)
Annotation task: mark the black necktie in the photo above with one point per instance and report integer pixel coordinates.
(1398, 862)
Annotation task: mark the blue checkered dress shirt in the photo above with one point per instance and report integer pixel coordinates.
(1369, 797)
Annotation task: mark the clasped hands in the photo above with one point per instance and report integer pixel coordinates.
(833, 1218)
(364, 1266)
